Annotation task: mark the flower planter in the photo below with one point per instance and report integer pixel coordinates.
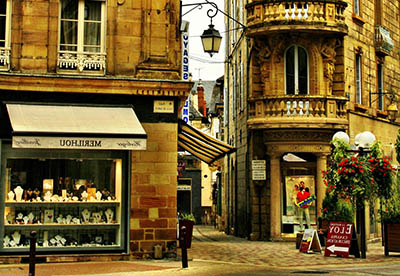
(392, 237)
(189, 232)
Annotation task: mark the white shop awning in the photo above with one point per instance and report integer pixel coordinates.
(49, 126)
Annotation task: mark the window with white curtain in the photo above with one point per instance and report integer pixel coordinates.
(380, 86)
(5, 28)
(296, 70)
(357, 7)
(358, 79)
(82, 33)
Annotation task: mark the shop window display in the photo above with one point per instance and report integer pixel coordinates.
(72, 199)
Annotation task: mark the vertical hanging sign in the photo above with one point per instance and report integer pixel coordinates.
(185, 65)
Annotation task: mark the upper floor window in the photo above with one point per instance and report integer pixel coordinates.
(380, 86)
(357, 7)
(82, 36)
(358, 79)
(5, 41)
(296, 66)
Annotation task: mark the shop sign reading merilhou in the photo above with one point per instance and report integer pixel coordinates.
(37, 142)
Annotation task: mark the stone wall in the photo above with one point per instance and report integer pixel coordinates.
(153, 191)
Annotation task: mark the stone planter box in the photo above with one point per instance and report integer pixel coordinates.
(392, 237)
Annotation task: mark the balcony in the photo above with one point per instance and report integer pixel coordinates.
(81, 63)
(287, 111)
(317, 16)
(4, 58)
(383, 42)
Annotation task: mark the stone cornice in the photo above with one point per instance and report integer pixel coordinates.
(101, 85)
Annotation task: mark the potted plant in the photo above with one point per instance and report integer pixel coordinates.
(390, 209)
(186, 220)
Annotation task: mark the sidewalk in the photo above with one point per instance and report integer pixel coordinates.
(214, 253)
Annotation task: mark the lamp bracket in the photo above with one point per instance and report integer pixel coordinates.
(211, 13)
(379, 93)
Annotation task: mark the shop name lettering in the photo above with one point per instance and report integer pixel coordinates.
(25, 141)
(306, 201)
(80, 143)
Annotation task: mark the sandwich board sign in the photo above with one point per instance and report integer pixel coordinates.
(341, 237)
(310, 241)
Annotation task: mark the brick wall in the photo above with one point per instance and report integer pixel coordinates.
(153, 191)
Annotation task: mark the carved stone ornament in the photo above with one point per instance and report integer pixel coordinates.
(81, 62)
(328, 52)
(4, 57)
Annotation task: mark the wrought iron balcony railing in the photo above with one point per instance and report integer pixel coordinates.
(290, 15)
(288, 110)
(74, 62)
(5, 58)
(383, 42)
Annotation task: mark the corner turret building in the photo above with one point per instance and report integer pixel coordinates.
(297, 73)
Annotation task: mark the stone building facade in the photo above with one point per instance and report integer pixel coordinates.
(115, 53)
(297, 73)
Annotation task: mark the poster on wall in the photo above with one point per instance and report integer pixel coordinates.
(293, 184)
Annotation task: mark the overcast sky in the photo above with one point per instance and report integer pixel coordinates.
(201, 65)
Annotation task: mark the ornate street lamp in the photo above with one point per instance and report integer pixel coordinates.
(211, 38)
(362, 143)
(392, 110)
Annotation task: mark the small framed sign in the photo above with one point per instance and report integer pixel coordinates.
(163, 106)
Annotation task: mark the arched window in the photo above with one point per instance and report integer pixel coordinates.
(296, 67)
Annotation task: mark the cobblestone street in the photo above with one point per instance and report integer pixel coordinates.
(214, 253)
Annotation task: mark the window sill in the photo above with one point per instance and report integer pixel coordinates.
(358, 19)
(360, 108)
(381, 114)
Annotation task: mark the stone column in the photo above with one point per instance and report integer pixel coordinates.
(321, 166)
(275, 198)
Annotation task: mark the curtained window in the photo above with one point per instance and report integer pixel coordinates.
(82, 25)
(296, 67)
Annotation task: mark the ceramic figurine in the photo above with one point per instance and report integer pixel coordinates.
(98, 195)
(10, 218)
(31, 217)
(86, 215)
(16, 237)
(18, 193)
(109, 215)
(11, 196)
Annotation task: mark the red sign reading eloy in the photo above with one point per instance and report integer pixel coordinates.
(339, 239)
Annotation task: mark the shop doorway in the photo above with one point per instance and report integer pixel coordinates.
(298, 172)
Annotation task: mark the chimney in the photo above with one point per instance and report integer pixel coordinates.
(200, 99)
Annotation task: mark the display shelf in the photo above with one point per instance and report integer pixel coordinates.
(60, 226)
(61, 203)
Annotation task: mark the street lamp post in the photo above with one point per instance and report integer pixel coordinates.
(362, 144)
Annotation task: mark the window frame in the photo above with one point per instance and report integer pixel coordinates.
(80, 52)
(5, 51)
(379, 78)
(358, 78)
(357, 7)
(296, 70)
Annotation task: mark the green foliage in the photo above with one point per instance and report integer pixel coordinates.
(390, 213)
(336, 209)
(185, 216)
(397, 147)
(355, 177)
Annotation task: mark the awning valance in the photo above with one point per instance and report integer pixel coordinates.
(51, 126)
(201, 145)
